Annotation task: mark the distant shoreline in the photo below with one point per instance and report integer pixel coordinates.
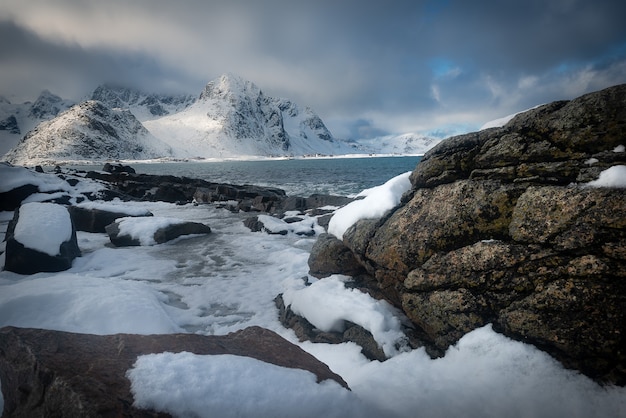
(212, 160)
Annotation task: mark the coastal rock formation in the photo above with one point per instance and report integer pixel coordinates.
(52, 373)
(499, 228)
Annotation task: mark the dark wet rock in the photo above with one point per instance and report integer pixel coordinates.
(254, 224)
(495, 230)
(321, 200)
(161, 235)
(12, 199)
(95, 220)
(305, 331)
(330, 256)
(52, 373)
(117, 168)
(23, 260)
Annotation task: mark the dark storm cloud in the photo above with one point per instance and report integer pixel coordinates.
(384, 66)
(30, 64)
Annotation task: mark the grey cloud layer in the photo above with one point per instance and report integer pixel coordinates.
(399, 65)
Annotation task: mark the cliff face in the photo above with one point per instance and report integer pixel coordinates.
(499, 228)
(88, 131)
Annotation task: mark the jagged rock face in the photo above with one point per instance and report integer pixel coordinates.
(143, 106)
(52, 373)
(10, 124)
(493, 231)
(47, 106)
(88, 131)
(251, 114)
(18, 119)
(232, 116)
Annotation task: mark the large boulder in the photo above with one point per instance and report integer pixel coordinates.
(40, 237)
(500, 228)
(52, 373)
(135, 231)
(12, 199)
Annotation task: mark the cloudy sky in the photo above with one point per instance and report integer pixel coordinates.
(367, 67)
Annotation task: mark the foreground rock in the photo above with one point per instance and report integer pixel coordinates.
(96, 220)
(40, 238)
(495, 230)
(51, 373)
(127, 232)
(305, 331)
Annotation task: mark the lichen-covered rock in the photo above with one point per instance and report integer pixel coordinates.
(330, 256)
(569, 217)
(498, 229)
(444, 218)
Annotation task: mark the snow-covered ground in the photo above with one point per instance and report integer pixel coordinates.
(227, 280)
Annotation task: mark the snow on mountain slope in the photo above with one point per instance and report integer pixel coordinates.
(409, 143)
(233, 117)
(143, 106)
(18, 119)
(87, 131)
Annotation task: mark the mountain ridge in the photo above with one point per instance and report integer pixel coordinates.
(230, 118)
(84, 131)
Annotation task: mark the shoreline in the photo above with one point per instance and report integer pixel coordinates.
(245, 158)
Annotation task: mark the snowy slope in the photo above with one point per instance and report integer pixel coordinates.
(18, 119)
(144, 106)
(87, 131)
(233, 117)
(406, 144)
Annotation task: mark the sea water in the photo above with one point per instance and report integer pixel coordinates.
(298, 177)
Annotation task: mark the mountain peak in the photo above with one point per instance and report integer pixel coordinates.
(228, 85)
(48, 105)
(143, 106)
(88, 131)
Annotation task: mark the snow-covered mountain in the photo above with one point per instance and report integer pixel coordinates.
(233, 117)
(18, 119)
(143, 105)
(88, 131)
